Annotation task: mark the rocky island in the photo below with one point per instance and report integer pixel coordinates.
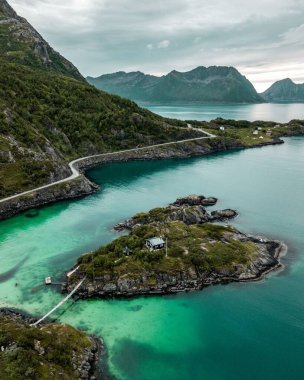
(50, 351)
(174, 249)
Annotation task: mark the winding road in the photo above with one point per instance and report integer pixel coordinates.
(76, 173)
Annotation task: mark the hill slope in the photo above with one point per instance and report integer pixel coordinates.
(212, 84)
(284, 90)
(49, 114)
(21, 43)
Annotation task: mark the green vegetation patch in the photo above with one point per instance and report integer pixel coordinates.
(206, 247)
(47, 352)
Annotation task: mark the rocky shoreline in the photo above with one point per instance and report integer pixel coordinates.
(114, 287)
(73, 189)
(81, 186)
(85, 369)
(259, 257)
(189, 210)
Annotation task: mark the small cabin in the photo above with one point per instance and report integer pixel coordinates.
(256, 132)
(222, 128)
(269, 132)
(155, 243)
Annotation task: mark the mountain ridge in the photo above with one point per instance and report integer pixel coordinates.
(284, 90)
(201, 84)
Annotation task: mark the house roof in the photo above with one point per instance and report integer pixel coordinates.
(156, 241)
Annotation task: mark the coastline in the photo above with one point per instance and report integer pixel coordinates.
(78, 185)
(280, 252)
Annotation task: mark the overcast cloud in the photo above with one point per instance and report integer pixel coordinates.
(263, 38)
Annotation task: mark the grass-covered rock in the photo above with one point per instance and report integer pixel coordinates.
(195, 254)
(189, 210)
(50, 351)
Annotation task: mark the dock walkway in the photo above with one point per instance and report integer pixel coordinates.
(59, 304)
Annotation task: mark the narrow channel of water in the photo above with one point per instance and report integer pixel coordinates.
(237, 331)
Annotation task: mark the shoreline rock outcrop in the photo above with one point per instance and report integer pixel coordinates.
(189, 210)
(195, 200)
(76, 188)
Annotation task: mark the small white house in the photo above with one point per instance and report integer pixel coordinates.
(155, 243)
(222, 128)
(260, 128)
(256, 132)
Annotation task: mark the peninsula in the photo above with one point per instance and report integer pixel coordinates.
(175, 249)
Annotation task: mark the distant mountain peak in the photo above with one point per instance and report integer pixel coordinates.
(284, 90)
(286, 80)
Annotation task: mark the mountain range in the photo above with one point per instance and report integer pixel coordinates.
(203, 84)
(49, 114)
(215, 84)
(284, 90)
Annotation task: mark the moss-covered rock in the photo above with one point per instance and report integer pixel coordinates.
(50, 351)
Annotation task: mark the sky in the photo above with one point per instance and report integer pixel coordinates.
(263, 39)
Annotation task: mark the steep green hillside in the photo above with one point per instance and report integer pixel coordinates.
(203, 84)
(49, 114)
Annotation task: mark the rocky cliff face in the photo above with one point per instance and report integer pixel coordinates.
(21, 43)
(203, 84)
(284, 91)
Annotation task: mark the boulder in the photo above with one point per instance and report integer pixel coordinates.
(195, 200)
(223, 214)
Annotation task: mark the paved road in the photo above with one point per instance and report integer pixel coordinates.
(75, 172)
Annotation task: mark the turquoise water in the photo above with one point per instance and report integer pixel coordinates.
(267, 111)
(237, 331)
